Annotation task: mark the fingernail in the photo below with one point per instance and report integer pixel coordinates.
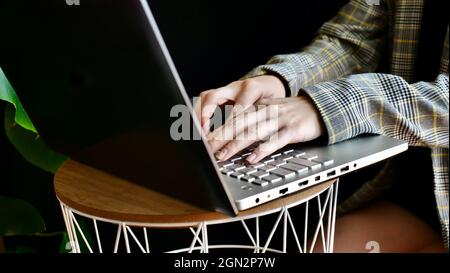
(221, 154)
(251, 157)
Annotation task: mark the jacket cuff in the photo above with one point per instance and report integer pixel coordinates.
(270, 70)
(334, 115)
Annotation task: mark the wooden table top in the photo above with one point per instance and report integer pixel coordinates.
(97, 193)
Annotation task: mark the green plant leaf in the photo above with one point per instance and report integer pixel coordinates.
(8, 94)
(30, 146)
(22, 133)
(18, 217)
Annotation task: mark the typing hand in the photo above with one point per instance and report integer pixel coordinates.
(277, 122)
(242, 94)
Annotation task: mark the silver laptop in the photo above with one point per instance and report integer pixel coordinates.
(99, 83)
(292, 169)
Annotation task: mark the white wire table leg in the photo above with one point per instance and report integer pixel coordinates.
(69, 231)
(333, 224)
(330, 214)
(81, 232)
(73, 230)
(119, 232)
(205, 238)
(147, 245)
(198, 239)
(125, 235)
(319, 225)
(249, 233)
(135, 239)
(99, 243)
(257, 233)
(273, 230)
(319, 204)
(199, 228)
(294, 231)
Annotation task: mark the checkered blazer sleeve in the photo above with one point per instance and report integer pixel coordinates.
(385, 104)
(349, 43)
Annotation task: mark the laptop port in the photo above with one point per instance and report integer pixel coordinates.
(283, 191)
(303, 183)
(317, 178)
(345, 169)
(332, 173)
(257, 200)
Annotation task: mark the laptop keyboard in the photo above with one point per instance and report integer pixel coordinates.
(272, 169)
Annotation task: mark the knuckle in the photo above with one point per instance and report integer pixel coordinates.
(249, 84)
(232, 146)
(258, 152)
(204, 94)
(273, 109)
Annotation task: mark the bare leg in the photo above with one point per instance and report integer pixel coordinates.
(384, 227)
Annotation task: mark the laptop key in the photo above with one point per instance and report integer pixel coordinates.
(324, 161)
(259, 174)
(297, 153)
(224, 164)
(261, 183)
(277, 163)
(248, 170)
(248, 178)
(256, 165)
(267, 160)
(295, 167)
(308, 156)
(227, 171)
(237, 175)
(275, 155)
(272, 178)
(283, 173)
(236, 167)
(235, 158)
(288, 151)
(267, 168)
(285, 157)
(301, 161)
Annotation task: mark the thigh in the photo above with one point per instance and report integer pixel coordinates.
(384, 227)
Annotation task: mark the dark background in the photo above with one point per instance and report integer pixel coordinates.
(216, 42)
(212, 43)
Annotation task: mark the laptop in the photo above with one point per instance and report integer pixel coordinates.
(100, 85)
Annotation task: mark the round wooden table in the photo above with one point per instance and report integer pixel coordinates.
(86, 192)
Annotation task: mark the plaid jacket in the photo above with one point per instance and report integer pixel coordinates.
(336, 71)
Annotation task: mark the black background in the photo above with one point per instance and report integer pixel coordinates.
(216, 42)
(212, 43)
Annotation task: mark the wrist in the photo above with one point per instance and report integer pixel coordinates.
(281, 84)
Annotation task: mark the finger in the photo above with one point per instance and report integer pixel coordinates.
(276, 142)
(236, 126)
(214, 98)
(271, 101)
(256, 133)
(244, 100)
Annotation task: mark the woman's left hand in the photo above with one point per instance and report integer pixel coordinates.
(276, 122)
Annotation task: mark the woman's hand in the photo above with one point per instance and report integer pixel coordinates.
(277, 122)
(242, 93)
